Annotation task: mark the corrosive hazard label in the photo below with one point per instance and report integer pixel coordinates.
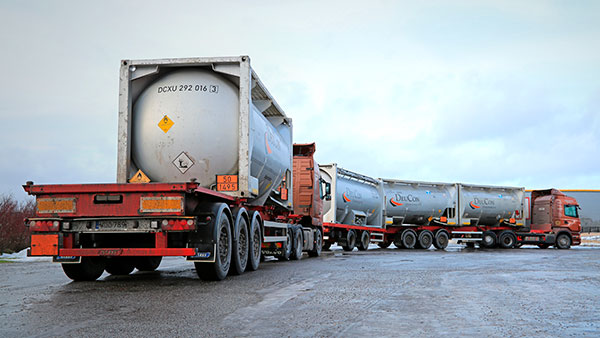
(165, 123)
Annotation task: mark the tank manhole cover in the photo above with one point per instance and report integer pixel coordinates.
(183, 162)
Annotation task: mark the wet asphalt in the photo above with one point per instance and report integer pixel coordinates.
(384, 292)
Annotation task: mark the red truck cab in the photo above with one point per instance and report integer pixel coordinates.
(555, 214)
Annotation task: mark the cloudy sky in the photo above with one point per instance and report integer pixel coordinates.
(489, 92)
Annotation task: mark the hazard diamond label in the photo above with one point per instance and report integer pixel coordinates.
(183, 162)
(165, 123)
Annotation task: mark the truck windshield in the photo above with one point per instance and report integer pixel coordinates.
(571, 211)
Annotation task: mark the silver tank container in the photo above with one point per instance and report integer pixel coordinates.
(489, 205)
(419, 203)
(183, 119)
(355, 199)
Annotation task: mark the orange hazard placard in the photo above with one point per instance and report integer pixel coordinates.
(227, 183)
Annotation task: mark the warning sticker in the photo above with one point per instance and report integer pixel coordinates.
(165, 123)
(227, 183)
(139, 177)
(183, 162)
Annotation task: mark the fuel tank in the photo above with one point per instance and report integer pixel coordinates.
(355, 199)
(419, 203)
(203, 117)
(490, 206)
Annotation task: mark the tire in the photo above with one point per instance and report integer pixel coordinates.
(543, 246)
(398, 242)
(350, 241)
(239, 252)
(365, 239)
(489, 239)
(316, 251)
(327, 246)
(222, 236)
(298, 244)
(148, 263)
(425, 239)
(255, 247)
(119, 266)
(287, 252)
(89, 269)
(409, 238)
(563, 241)
(441, 239)
(507, 239)
(384, 244)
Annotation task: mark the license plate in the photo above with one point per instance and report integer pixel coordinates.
(111, 225)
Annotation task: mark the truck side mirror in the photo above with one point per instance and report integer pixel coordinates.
(327, 191)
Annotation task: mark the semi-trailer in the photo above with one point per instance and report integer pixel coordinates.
(204, 171)
(207, 170)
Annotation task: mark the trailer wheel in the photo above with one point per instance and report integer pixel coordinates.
(239, 254)
(563, 241)
(398, 241)
(148, 263)
(254, 252)
(219, 269)
(409, 238)
(350, 241)
(365, 239)
(489, 239)
(288, 245)
(298, 244)
(441, 239)
(384, 244)
(507, 239)
(119, 266)
(316, 251)
(89, 269)
(425, 239)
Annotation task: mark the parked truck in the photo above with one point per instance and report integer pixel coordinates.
(204, 171)
(412, 214)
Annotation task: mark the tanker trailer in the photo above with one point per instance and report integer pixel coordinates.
(411, 207)
(355, 201)
(204, 171)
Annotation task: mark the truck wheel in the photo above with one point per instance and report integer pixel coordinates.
(441, 239)
(507, 239)
(149, 263)
(119, 266)
(298, 244)
(316, 251)
(89, 269)
(409, 238)
(543, 246)
(384, 244)
(287, 252)
(398, 242)
(363, 244)
(254, 252)
(219, 269)
(489, 239)
(425, 239)
(239, 253)
(350, 241)
(563, 241)
(327, 246)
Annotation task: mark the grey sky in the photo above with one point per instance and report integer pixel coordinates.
(504, 92)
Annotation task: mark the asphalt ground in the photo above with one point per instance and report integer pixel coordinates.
(384, 292)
